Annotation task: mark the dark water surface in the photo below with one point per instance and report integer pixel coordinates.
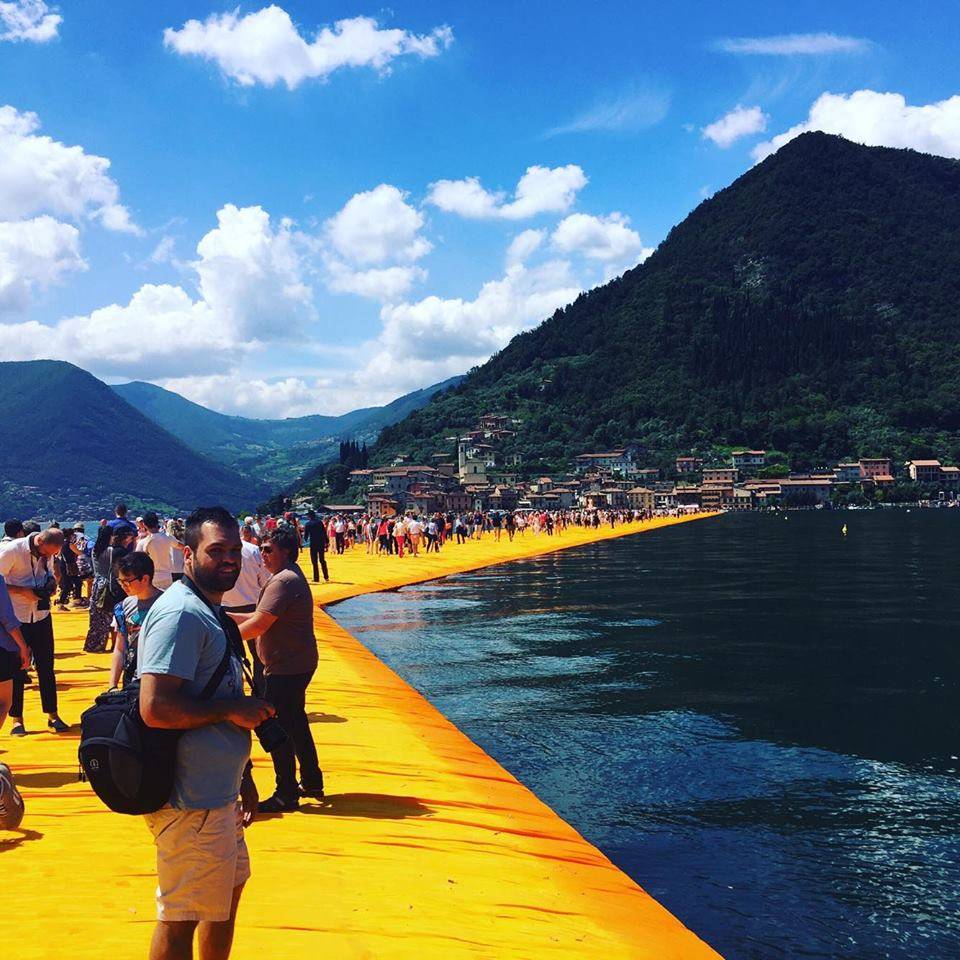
(756, 718)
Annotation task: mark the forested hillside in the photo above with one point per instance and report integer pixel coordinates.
(70, 448)
(273, 451)
(812, 307)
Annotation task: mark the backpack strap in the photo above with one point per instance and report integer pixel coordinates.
(208, 691)
(121, 620)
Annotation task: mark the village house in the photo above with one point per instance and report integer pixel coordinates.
(688, 496)
(871, 467)
(640, 498)
(950, 476)
(847, 472)
(748, 459)
(689, 464)
(924, 471)
(807, 489)
(723, 475)
(621, 460)
(664, 501)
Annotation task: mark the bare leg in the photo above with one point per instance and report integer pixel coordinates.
(173, 940)
(217, 938)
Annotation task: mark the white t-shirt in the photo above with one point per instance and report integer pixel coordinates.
(158, 546)
(20, 568)
(414, 528)
(253, 578)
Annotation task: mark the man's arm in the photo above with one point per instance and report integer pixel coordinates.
(165, 706)
(254, 624)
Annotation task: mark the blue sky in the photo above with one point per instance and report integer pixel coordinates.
(288, 225)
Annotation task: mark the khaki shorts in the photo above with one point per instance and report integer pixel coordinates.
(201, 858)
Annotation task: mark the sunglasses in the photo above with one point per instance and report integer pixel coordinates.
(127, 583)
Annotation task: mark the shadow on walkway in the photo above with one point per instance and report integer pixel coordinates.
(318, 716)
(375, 806)
(20, 837)
(46, 778)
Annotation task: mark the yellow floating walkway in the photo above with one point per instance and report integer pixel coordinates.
(426, 847)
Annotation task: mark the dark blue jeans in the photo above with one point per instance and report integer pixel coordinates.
(288, 695)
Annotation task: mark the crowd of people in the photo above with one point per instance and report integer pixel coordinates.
(185, 609)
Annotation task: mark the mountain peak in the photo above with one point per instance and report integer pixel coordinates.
(809, 307)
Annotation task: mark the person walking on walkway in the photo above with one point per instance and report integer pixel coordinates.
(282, 625)
(25, 566)
(315, 533)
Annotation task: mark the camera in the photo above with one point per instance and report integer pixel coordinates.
(271, 734)
(44, 592)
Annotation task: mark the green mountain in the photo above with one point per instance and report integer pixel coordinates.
(809, 308)
(273, 451)
(71, 447)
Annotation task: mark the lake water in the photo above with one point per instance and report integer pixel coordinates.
(755, 718)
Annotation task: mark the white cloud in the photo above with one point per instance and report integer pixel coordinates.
(28, 20)
(266, 47)
(386, 284)
(372, 244)
(879, 120)
(606, 239)
(377, 225)
(251, 281)
(464, 332)
(254, 275)
(161, 331)
(539, 190)
(163, 251)
(35, 253)
(738, 123)
(793, 44)
(42, 175)
(247, 396)
(634, 110)
(523, 245)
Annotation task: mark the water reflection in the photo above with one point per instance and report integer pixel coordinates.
(756, 719)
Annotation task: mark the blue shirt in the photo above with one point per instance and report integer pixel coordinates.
(182, 637)
(121, 523)
(8, 619)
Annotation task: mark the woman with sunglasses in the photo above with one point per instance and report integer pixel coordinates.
(286, 645)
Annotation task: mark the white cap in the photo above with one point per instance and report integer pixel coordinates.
(248, 519)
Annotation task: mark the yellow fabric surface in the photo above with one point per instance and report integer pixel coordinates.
(425, 847)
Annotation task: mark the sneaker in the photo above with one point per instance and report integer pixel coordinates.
(315, 793)
(18, 730)
(275, 804)
(57, 725)
(11, 803)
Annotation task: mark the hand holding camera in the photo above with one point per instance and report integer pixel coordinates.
(44, 591)
(257, 715)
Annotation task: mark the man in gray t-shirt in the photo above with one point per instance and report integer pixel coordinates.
(202, 860)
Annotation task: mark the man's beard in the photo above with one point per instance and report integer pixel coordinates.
(213, 579)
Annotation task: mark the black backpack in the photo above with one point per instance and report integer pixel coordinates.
(131, 766)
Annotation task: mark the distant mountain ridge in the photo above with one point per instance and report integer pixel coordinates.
(811, 307)
(273, 451)
(71, 447)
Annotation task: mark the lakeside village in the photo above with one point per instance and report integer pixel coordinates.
(484, 479)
